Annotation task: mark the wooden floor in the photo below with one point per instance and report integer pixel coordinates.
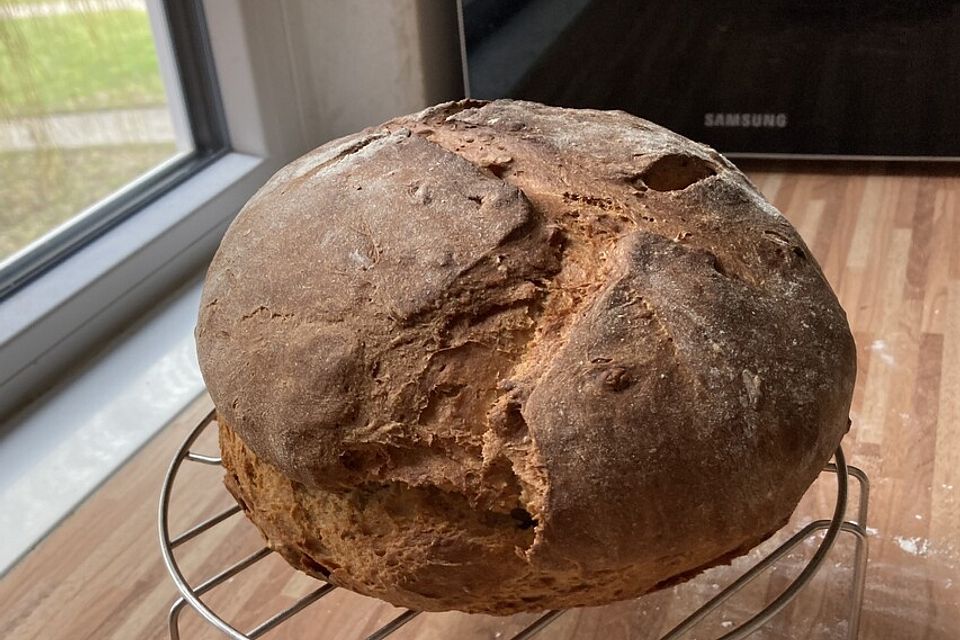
(890, 244)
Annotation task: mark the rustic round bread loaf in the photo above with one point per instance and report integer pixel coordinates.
(501, 357)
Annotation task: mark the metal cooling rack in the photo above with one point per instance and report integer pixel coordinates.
(191, 594)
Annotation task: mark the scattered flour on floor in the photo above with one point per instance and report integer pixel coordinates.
(880, 347)
(913, 546)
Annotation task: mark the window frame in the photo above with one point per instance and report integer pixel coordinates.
(199, 91)
(75, 306)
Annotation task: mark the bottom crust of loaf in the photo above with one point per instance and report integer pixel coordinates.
(423, 548)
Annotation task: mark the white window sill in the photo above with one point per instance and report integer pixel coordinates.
(57, 452)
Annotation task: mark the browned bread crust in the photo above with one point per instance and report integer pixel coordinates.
(502, 357)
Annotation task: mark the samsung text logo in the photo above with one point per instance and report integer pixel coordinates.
(747, 120)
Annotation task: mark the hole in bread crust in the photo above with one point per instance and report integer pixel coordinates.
(510, 422)
(499, 170)
(359, 461)
(784, 243)
(523, 518)
(232, 481)
(674, 172)
(313, 566)
(717, 266)
(352, 461)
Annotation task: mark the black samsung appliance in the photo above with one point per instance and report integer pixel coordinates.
(878, 79)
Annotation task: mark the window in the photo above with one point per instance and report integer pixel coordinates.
(289, 76)
(104, 105)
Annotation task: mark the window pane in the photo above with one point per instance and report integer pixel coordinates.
(84, 108)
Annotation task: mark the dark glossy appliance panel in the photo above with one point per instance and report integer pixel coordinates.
(792, 77)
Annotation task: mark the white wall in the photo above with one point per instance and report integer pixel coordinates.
(325, 68)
